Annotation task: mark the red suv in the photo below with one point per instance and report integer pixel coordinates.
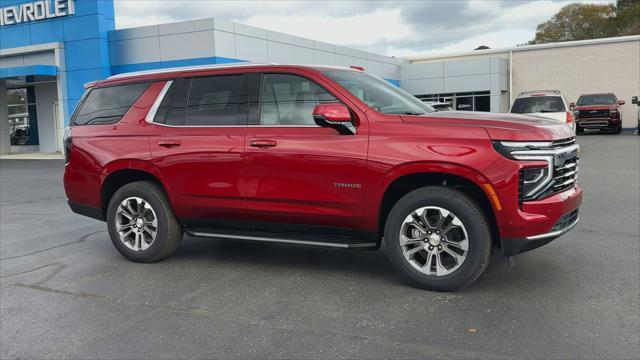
(319, 156)
(598, 111)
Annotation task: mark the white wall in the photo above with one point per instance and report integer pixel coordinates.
(46, 95)
(208, 38)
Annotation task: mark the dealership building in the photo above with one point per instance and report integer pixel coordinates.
(50, 48)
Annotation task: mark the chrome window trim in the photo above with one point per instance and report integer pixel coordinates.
(237, 126)
(156, 104)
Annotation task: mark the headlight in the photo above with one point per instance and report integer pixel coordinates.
(509, 149)
(532, 181)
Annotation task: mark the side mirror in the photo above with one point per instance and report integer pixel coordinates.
(572, 106)
(634, 100)
(620, 102)
(336, 116)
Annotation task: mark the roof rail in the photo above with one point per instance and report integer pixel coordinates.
(184, 68)
(539, 91)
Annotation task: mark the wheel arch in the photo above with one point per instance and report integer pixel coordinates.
(467, 180)
(122, 172)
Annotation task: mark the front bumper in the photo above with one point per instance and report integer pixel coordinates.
(598, 123)
(542, 221)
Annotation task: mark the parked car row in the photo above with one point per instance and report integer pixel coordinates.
(592, 111)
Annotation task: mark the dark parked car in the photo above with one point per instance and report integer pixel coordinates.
(319, 156)
(598, 111)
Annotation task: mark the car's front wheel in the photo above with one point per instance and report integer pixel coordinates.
(141, 223)
(438, 238)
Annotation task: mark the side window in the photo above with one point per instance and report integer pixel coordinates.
(289, 100)
(216, 100)
(172, 107)
(108, 105)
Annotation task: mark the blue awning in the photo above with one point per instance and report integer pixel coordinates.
(19, 71)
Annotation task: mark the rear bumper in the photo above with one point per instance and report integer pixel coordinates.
(541, 221)
(89, 211)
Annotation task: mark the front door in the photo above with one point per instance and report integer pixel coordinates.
(198, 145)
(298, 172)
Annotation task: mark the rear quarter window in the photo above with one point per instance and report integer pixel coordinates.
(107, 105)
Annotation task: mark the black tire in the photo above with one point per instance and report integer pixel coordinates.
(468, 212)
(617, 130)
(169, 232)
(579, 130)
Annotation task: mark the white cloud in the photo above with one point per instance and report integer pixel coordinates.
(356, 30)
(387, 27)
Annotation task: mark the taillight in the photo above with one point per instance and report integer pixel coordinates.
(569, 117)
(66, 143)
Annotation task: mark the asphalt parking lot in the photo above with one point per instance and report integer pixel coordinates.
(66, 292)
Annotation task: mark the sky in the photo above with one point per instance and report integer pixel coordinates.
(395, 28)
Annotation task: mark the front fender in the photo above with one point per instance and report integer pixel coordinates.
(374, 201)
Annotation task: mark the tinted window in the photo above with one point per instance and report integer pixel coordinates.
(290, 100)
(600, 99)
(538, 104)
(172, 108)
(108, 105)
(216, 101)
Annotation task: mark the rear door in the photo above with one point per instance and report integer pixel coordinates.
(198, 145)
(300, 173)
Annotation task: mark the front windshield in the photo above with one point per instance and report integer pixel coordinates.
(379, 94)
(596, 99)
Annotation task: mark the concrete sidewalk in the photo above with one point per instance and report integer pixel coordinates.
(33, 156)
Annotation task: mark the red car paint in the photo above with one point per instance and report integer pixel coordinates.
(312, 175)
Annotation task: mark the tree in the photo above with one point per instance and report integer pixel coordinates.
(482, 47)
(578, 22)
(627, 20)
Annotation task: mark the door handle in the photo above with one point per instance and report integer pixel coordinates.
(169, 143)
(263, 144)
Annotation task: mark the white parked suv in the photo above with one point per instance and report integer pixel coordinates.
(546, 103)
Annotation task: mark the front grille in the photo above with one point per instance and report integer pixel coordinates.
(565, 220)
(593, 113)
(564, 177)
(563, 142)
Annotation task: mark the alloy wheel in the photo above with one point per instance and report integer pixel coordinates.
(434, 240)
(136, 223)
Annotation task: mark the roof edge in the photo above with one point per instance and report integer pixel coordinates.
(526, 47)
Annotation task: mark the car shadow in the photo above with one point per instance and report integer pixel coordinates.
(371, 264)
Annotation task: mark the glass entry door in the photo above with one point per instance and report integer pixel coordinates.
(23, 122)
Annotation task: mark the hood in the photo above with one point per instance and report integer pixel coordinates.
(597, 107)
(499, 126)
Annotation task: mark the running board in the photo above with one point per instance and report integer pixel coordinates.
(285, 238)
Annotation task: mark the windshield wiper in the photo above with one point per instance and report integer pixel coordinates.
(413, 113)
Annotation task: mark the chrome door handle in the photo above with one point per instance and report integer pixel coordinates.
(169, 143)
(263, 144)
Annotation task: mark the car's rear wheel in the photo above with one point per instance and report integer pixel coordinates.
(141, 223)
(437, 238)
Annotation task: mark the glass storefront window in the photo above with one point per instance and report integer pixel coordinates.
(469, 101)
(23, 128)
